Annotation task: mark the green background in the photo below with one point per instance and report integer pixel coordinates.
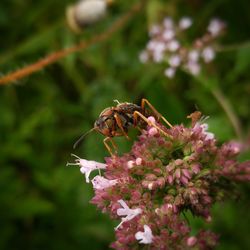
(43, 203)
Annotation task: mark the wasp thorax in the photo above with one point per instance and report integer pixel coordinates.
(86, 12)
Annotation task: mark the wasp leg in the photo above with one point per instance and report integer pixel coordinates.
(119, 123)
(158, 115)
(136, 114)
(105, 142)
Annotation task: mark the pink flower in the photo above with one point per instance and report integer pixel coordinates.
(161, 177)
(127, 212)
(191, 241)
(145, 237)
(152, 131)
(151, 119)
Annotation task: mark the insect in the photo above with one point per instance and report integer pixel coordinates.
(117, 120)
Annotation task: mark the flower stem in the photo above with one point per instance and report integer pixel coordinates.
(225, 105)
(231, 47)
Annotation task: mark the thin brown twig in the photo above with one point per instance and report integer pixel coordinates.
(40, 64)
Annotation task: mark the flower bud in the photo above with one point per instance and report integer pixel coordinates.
(191, 241)
(85, 12)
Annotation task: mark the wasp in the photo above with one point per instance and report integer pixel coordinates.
(117, 120)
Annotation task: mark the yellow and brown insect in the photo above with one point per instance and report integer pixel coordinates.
(117, 120)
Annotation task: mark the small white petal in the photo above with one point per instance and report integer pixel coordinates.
(168, 23)
(145, 237)
(138, 161)
(170, 72)
(100, 182)
(193, 67)
(208, 54)
(154, 30)
(130, 164)
(86, 167)
(193, 55)
(143, 57)
(168, 34)
(174, 61)
(185, 23)
(215, 27)
(173, 45)
(127, 212)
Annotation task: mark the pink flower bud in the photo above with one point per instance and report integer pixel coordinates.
(130, 164)
(138, 161)
(191, 241)
(152, 131)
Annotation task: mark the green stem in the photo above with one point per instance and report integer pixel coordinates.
(225, 105)
(232, 47)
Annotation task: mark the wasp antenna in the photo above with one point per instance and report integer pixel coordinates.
(82, 136)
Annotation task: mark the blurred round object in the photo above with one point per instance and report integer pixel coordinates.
(85, 13)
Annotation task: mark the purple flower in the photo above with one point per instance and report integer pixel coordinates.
(167, 172)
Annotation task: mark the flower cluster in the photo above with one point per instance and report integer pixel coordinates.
(167, 45)
(167, 172)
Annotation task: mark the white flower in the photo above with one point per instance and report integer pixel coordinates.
(204, 128)
(173, 45)
(143, 56)
(157, 49)
(193, 55)
(208, 54)
(100, 182)
(87, 12)
(145, 237)
(128, 213)
(209, 136)
(170, 72)
(215, 27)
(86, 167)
(185, 23)
(138, 161)
(168, 23)
(168, 34)
(193, 67)
(154, 30)
(158, 56)
(174, 61)
(130, 164)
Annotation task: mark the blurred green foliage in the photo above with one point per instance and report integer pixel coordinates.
(43, 203)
